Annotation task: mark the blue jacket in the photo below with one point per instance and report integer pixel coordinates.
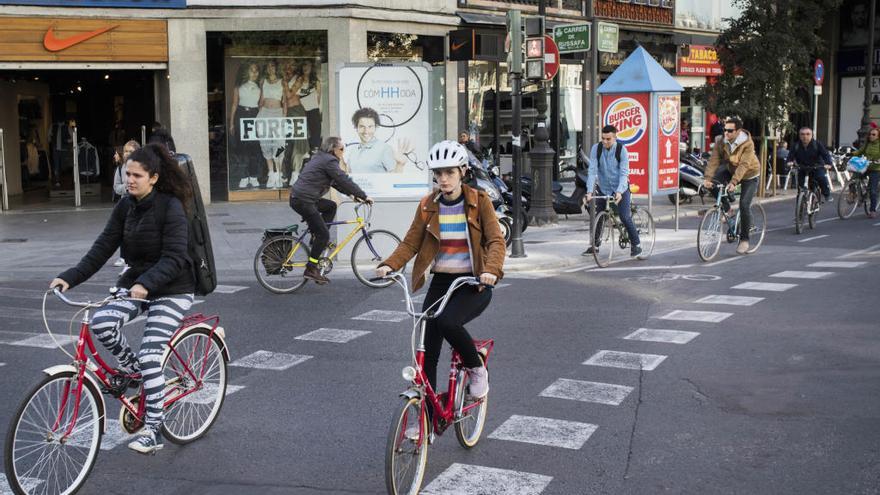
(613, 175)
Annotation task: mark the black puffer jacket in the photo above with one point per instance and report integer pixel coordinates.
(158, 259)
(319, 174)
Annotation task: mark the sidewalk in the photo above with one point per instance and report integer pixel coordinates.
(33, 244)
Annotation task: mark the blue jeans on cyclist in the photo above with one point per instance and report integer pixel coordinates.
(817, 174)
(873, 185)
(747, 193)
(625, 215)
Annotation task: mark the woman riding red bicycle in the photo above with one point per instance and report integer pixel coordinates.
(156, 252)
(455, 232)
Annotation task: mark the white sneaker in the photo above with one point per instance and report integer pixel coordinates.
(253, 182)
(479, 385)
(119, 262)
(243, 184)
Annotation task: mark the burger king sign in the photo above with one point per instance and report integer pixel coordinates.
(629, 114)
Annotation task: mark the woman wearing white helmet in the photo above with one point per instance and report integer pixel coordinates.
(455, 233)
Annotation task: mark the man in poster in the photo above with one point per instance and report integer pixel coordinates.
(369, 155)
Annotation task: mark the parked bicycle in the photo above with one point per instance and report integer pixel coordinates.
(406, 454)
(807, 203)
(55, 434)
(608, 231)
(855, 192)
(281, 260)
(717, 224)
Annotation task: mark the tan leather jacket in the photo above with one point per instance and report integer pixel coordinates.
(422, 241)
(742, 162)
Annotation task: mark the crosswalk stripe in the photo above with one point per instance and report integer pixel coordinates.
(383, 315)
(583, 391)
(335, 335)
(544, 431)
(808, 239)
(267, 360)
(28, 484)
(837, 264)
(730, 300)
(802, 274)
(229, 289)
(765, 286)
(702, 316)
(626, 360)
(664, 336)
(40, 340)
(467, 479)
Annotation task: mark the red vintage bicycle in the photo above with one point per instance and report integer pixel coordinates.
(55, 435)
(406, 454)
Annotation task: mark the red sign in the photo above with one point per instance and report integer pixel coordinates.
(551, 58)
(701, 60)
(668, 135)
(629, 114)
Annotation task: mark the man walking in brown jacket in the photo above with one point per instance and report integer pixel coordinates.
(736, 151)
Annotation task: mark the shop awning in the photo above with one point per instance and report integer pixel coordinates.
(497, 20)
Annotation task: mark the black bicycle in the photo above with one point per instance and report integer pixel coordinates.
(806, 205)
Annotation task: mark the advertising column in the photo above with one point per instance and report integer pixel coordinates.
(629, 114)
(668, 111)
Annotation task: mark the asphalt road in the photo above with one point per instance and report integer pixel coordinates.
(778, 395)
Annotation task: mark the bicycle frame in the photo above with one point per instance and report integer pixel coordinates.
(361, 226)
(719, 193)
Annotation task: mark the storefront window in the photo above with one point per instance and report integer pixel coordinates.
(272, 88)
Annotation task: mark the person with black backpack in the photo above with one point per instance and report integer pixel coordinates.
(813, 158)
(151, 226)
(609, 165)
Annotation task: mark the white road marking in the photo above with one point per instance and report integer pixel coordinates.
(808, 239)
(656, 253)
(639, 268)
(383, 315)
(599, 393)
(626, 360)
(702, 316)
(800, 274)
(544, 431)
(859, 252)
(336, 335)
(466, 479)
(730, 300)
(767, 286)
(209, 392)
(267, 360)
(115, 435)
(837, 264)
(229, 289)
(44, 341)
(877, 224)
(28, 484)
(728, 260)
(665, 336)
(499, 286)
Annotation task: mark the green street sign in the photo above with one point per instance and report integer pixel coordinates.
(608, 34)
(572, 38)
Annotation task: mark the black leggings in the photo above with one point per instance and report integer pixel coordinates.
(466, 304)
(317, 214)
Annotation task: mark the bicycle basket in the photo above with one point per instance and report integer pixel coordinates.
(273, 261)
(857, 164)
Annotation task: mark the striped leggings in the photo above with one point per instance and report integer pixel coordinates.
(163, 318)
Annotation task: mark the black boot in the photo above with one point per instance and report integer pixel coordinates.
(312, 273)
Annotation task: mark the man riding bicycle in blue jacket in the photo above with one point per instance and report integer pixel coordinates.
(811, 155)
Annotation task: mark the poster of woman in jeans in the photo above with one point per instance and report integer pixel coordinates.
(245, 105)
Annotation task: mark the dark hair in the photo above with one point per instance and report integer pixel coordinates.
(365, 113)
(737, 123)
(243, 73)
(313, 75)
(609, 128)
(163, 137)
(806, 128)
(155, 159)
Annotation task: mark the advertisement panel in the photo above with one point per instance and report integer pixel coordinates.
(698, 60)
(629, 114)
(668, 134)
(385, 122)
(135, 4)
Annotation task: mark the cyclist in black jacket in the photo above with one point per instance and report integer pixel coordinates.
(808, 152)
(317, 177)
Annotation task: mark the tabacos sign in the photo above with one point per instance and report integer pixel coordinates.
(629, 114)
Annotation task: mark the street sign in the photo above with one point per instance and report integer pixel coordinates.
(819, 72)
(551, 58)
(817, 90)
(608, 34)
(572, 38)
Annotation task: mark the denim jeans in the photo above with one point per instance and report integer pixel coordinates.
(747, 193)
(873, 183)
(625, 215)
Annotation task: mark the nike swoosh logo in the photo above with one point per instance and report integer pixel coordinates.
(55, 44)
(456, 46)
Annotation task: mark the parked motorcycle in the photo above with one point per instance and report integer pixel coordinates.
(691, 170)
(480, 176)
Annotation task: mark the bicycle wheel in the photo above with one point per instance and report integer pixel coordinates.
(195, 385)
(812, 210)
(506, 230)
(371, 249)
(280, 262)
(604, 239)
(406, 458)
(709, 235)
(470, 413)
(644, 223)
(849, 198)
(800, 213)
(758, 228)
(35, 457)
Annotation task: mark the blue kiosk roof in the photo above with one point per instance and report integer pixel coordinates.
(639, 73)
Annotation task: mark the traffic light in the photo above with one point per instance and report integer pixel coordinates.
(535, 48)
(515, 39)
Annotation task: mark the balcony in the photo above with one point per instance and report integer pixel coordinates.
(568, 6)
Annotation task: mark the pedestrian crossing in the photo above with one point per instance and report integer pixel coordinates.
(664, 336)
(544, 431)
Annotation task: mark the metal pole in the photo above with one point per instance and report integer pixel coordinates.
(5, 203)
(143, 135)
(517, 250)
(815, 112)
(77, 199)
(677, 200)
(869, 75)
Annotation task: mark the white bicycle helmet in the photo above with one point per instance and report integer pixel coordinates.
(447, 154)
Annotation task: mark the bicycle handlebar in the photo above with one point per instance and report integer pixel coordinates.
(115, 293)
(400, 279)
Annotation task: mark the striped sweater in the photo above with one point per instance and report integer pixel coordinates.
(454, 255)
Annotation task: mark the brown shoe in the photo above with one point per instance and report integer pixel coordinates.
(742, 247)
(312, 273)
